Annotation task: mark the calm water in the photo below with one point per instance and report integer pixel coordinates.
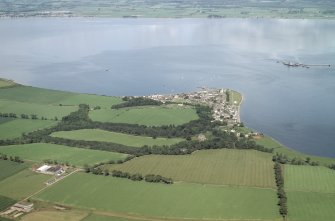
(146, 56)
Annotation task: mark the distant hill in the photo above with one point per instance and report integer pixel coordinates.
(170, 8)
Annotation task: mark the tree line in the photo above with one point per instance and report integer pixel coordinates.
(282, 199)
(136, 101)
(16, 159)
(24, 116)
(152, 178)
(284, 159)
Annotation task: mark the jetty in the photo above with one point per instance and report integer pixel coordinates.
(294, 64)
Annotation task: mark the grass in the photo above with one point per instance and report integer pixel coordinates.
(22, 184)
(279, 148)
(77, 156)
(68, 215)
(149, 116)
(92, 100)
(226, 166)
(6, 83)
(94, 217)
(9, 168)
(160, 200)
(310, 206)
(15, 128)
(106, 136)
(235, 97)
(309, 178)
(41, 110)
(6, 202)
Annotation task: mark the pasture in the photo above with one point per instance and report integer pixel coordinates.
(5, 202)
(9, 168)
(119, 138)
(309, 178)
(22, 184)
(15, 127)
(94, 217)
(310, 206)
(6, 83)
(225, 166)
(149, 116)
(161, 200)
(41, 110)
(76, 156)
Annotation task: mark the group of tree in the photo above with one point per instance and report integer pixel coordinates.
(16, 159)
(283, 159)
(56, 162)
(136, 101)
(332, 166)
(282, 199)
(9, 115)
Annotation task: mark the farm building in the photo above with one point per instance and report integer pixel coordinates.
(53, 170)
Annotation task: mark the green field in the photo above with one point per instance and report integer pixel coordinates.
(106, 136)
(22, 184)
(67, 215)
(235, 97)
(77, 156)
(15, 128)
(41, 110)
(6, 202)
(309, 179)
(225, 166)
(310, 206)
(9, 168)
(94, 217)
(92, 100)
(161, 200)
(310, 192)
(150, 116)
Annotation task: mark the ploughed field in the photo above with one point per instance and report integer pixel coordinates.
(221, 167)
(119, 138)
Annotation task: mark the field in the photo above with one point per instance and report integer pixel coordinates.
(106, 136)
(310, 206)
(5, 202)
(92, 100)
(22, 184)
(71, 215)
(208, 166)
(41, 110)
(15, 127)
(310, 192)
(161, 200)
(235, 97)
(150, 116)
(9, 168)
(77, 156)
(309, 179)
(94, 217)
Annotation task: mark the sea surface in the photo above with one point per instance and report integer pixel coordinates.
(146, 56)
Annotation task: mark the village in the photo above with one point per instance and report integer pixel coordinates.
(224, 107)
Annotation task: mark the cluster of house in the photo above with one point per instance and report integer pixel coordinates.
(215, 98)
(18, 209)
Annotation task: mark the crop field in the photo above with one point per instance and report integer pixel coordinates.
(41, 110)
(309, 178)
(94, 217)
(68, 215)
(22, 184)
(120, 138)
(15, 128)
(225, 166)
(310, 206)
(5, 202)
(161, 200)
(9, 168)
(77, 156)
(150, 116)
